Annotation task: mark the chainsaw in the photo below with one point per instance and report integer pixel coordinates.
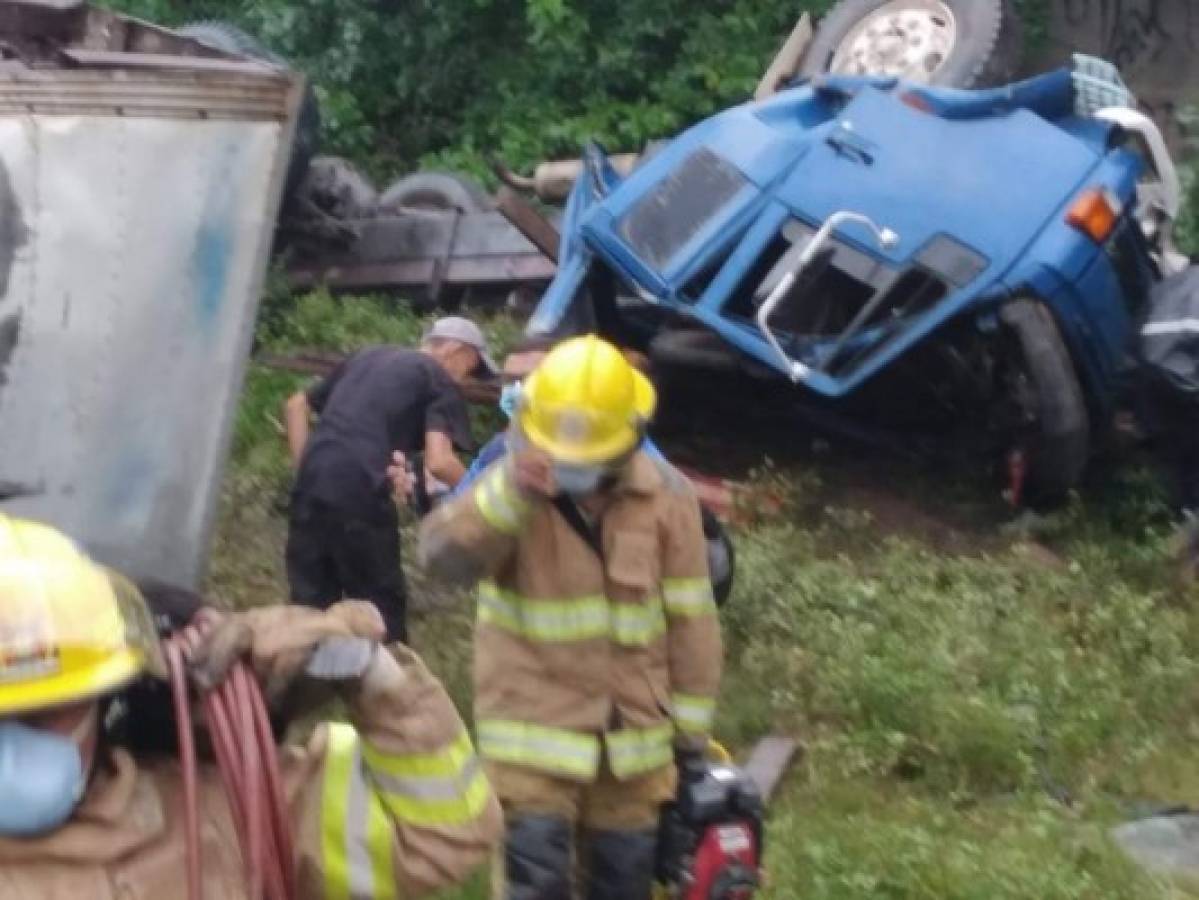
(710, 837)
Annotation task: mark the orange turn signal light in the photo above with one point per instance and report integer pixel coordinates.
(1095, 213)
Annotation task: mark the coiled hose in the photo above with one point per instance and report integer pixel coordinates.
(244, 746)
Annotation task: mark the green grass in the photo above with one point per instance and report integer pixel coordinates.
(976, 708)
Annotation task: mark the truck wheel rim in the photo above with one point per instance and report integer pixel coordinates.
(910, 39)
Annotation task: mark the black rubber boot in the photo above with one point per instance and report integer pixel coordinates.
(537, 858)
(620, 864)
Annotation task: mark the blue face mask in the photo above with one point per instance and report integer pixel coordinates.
(509, 397)
(41, 780)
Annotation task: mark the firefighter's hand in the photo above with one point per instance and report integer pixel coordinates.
(399, 473)
(278, 641)
(532, 473)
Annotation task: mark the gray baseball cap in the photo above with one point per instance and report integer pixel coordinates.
(456, 328)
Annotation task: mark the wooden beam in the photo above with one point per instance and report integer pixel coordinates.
(786, 62)
(540, 232)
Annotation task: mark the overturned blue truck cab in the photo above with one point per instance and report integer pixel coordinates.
(851, 223)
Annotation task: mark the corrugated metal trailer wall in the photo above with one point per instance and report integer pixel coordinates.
(138, 199)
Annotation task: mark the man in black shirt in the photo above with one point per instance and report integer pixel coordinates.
(343, 538)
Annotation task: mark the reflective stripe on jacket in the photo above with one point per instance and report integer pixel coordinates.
(574, 656)
(393, 806)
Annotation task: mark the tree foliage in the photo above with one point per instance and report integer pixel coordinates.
(456, 82)
(463, 80)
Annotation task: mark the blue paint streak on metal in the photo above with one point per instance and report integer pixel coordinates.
(128, 484)
(210, 270)
(213, 252)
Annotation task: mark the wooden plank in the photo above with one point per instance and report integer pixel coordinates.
(416, 272)
(424, 233)
(47, 5)
(529, 222)
(786, 62)
(146, 92)
(113, 59)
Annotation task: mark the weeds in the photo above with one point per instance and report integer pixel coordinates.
(973, 718)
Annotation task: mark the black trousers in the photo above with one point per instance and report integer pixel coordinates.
(347, 554)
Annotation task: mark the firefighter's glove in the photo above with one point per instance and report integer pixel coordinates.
(279, 640)
(690, 745)
(690, 764)
(693, 753)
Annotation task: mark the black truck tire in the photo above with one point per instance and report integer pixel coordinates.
(1058, 442)
(231, 39)
(434, 190)
(337, 187)
(986, 47)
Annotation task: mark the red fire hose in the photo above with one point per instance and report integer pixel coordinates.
(244, 746)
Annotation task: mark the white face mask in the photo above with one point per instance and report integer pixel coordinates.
(577, 480)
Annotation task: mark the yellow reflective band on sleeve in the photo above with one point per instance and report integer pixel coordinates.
(578, 619)
(548, 749)
(356, 833)
(380, 834)
(637, 624)
(688, 597)
(693, 714)
(499, 503)
(335, 862)
(634, 751)
(497, 611)
(444, 788)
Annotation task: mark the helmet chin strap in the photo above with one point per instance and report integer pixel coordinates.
(86, 726)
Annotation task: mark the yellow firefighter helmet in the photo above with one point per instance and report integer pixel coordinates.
(69, 629)
(585, 404)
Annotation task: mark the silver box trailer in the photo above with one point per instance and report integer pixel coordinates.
(140, 180)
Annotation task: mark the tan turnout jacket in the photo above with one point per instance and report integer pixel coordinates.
(392, 806)
(574, 656)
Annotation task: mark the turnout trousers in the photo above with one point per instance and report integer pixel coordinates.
(568, 839)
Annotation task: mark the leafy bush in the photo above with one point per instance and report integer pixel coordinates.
(458, 80)
(972, 721)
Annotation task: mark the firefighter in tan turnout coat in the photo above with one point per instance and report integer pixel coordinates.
(389, 805)
(597, 650)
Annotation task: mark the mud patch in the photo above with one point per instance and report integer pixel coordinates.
(853, 492)
(893, 515)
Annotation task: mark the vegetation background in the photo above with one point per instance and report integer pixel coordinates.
(451, 82)
(978, 704)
